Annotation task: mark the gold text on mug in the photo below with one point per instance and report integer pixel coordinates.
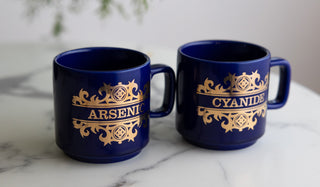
(238, 101)
(118, 113)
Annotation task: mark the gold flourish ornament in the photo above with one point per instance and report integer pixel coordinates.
(111, 96)
(238, 105)
(117, 131)
(233, 119)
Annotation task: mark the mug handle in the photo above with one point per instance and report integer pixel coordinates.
(284, 83)
(169, 90)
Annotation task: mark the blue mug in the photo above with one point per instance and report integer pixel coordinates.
(222, 92)
(102, 102)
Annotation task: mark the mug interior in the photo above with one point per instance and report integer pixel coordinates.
(101, 59)
(223, 51)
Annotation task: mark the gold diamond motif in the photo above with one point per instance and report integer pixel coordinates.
(119, 132)
(119, 93)
(241, 120)
(243, 83)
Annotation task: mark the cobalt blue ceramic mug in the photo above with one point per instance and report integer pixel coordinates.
(222, 92)
(102, 102)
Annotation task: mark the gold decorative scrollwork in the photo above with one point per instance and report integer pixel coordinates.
(112, 96)
(233, 118)
(238, 85)
(206, 88)
(238, 105)
(116, 113)
(117, 131)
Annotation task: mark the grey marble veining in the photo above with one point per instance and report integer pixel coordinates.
(300, 126)
(123, 181)
(14, 86)
(225, 174)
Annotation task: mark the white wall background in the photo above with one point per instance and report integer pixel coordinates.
(288, 28)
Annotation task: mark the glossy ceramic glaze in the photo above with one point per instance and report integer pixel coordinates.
(102, 102)
(222, 92)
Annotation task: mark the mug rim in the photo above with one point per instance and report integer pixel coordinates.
(200, 42)
(86, 49)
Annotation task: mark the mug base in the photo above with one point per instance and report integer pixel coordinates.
(102, 160)
(221, 147)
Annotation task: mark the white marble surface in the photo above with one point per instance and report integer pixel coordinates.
(287, 155)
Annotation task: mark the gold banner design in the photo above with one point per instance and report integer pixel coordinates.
(242, 92)
(125, 99)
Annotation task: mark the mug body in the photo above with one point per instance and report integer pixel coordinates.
(222, 91)
(101, 103)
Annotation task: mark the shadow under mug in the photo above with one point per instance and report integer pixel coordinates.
(222, 92)
(102, 102)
